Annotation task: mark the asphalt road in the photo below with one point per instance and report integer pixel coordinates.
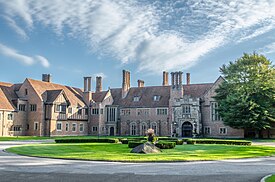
(21, 168)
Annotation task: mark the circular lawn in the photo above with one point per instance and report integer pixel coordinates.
(121, 152)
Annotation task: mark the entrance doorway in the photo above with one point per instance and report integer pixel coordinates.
(187, 129)
(112, 131)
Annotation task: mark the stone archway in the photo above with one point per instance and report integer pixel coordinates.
(187, 129)
(112, 131)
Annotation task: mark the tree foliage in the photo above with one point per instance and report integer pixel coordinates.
(247, 96)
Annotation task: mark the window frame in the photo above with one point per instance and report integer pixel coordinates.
(74, 127)
(81, 127)
(222, 130)
(58, 124)
(36, 126)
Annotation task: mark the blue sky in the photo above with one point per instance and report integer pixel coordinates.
(72, 39)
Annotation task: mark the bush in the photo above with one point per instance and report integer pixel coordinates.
(124, 141)
(87, 140)
(133, 144)
(165, 145)
(218, 141)
(171, 139)
(137, 138)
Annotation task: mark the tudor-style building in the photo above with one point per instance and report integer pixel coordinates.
(43, 108)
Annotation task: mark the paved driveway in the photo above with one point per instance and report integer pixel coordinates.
(22, 168)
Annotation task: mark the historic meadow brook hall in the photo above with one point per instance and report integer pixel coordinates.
(179, 108)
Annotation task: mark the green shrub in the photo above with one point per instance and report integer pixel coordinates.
(87, 140)
(124, 141)
(165, 145)
(218, 141)
(133, 144)
(136, 138)
(167, 138)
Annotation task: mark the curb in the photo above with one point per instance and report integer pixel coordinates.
(264, 178)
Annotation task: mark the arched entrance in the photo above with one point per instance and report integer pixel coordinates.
(112, 131)
(187, 129)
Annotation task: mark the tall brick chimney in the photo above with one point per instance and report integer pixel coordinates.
(140, 83)
(125, 83)
(87, 95)
(176, 85)
(165, 79)
(187, 78)
(98, 84)
(47, 78)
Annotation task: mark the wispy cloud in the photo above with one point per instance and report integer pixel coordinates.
(99, 74)
(27, 60)
(157, 34)
(268, 49)
(21, 32)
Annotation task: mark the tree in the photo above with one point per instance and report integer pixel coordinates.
(246, 98)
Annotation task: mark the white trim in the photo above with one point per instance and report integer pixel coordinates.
(82, 127)
(34, 126)
(75, 127)
(221, 133)
(59, 122)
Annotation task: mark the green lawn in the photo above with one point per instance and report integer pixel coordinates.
(270, 179)
(120, 152)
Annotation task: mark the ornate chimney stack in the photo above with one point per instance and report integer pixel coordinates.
(87, 95)
(140, 83)
(98, 84)
(165, 79)
(176, 88)
(125, 83)
(187, 78)
(47, 78)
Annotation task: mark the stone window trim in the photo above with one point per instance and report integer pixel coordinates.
(154, 126)
(143, 112)
(22, 107)
(223, 131)
(74, 127)
(125, 112)
(36, 126)
(143, 128)
(162, 111)
(214, 115)
(10, 116)
(207, 130)
(67, 126)
(81, 127)
(95, 111)
(133, 128)
(60, 108)
(33, 107)
(58, 126)
(94, 128)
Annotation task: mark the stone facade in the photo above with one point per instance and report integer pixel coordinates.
(42, 108)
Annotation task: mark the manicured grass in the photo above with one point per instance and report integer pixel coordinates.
(271, 178)
(120, 152)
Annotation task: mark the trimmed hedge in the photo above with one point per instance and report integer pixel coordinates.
(133, 144)
(165, 145)
(87, 140)
(218, 141)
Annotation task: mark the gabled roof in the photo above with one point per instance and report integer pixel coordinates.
(52, 95)
(74, 95)
(6, 96)
(99, 96)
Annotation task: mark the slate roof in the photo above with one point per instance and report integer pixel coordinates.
(7, 95)
(146, 95)
(99, 96)
(53, 94)
(197, 90)
(74, 95)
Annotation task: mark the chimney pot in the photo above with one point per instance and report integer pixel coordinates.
(98, 84)
(187, 78)
(165, 78)
(140, 83)
(47, 78)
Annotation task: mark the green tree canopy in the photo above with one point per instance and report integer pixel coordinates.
(247, 96)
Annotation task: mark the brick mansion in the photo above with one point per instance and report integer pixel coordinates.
(43, 108)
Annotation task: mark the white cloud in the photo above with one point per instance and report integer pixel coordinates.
(15, 27)
(43, 61)
(27, 60)
(12, 53)
(157, 34)
(268, 49)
